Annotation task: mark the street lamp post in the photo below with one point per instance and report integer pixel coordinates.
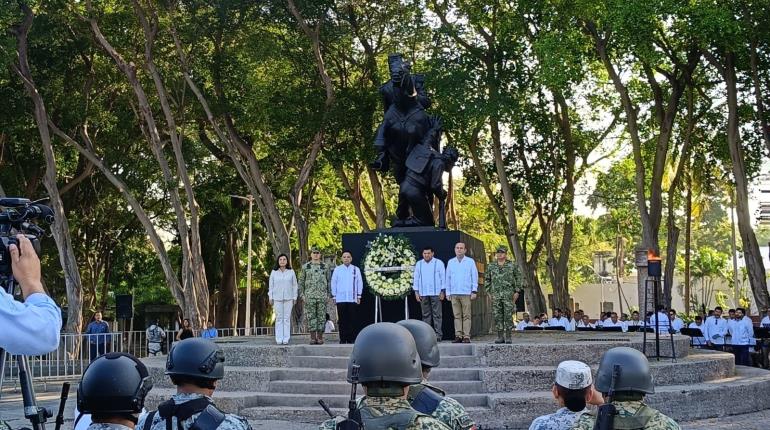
(250, 199)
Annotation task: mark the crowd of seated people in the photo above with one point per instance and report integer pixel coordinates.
(734, 332)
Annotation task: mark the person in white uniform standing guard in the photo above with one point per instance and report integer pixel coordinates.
(428, 284)
(462, 281)
(347, 287)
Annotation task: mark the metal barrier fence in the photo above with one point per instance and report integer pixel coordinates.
(76, 351)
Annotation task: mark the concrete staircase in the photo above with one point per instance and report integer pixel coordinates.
(501, 386)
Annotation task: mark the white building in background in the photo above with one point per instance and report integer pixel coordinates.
(589, 296)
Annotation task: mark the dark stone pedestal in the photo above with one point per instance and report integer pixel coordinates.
(443, 242)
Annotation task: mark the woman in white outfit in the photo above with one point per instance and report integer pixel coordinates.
(282, 294)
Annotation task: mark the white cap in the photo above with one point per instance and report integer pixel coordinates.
(573, 375)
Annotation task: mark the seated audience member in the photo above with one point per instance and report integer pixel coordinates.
(699, 341)
(676, 323)
(558, 320)
(524, 323)
(572, 389)
(585, 322)
(614, 322)
(634, 321)
(660, 320)
(544, 320)
(570, 320)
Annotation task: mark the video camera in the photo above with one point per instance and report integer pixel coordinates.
(16, 216)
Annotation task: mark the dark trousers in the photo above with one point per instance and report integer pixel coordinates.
(346, 314)
(742, 357)
(98, 349)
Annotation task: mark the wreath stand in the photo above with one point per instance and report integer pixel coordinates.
(378, 308)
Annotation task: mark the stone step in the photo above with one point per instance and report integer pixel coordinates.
(326, 362)
(698, 367)
(695, 368)
(341, 387)
(341, 401)
(315, 374)
(313, 415)
(336, 350)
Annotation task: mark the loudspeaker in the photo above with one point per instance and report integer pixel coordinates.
(124, 306)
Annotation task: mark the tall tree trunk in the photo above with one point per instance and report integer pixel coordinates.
(193, 268)
(754, 264)
(227, 305)
(672, 229)
(687, 243)
(194, 294)
(380, 209)
(354, 194)
(60, 227)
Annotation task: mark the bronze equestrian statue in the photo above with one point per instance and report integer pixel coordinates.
(408, 143)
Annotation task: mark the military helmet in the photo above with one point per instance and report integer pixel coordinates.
(196, 357)
(114, 383)
(425, 338)
(634, 371)
(385, 352)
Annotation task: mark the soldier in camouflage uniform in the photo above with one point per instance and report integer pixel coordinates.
(194, 365)
(503, 282)
(386, 357)
(572, 389)
(426, 398)
(112, 390)
(314, 291)
(632, 383)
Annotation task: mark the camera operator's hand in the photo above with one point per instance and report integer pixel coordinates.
(26, 266)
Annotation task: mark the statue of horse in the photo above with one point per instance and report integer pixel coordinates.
(404, 126)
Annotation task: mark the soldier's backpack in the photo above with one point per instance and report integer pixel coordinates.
(638, 421)
(399, 420)
(425, 400)
(209, 419)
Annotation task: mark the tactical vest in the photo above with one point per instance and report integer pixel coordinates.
(209, 419)
(398, 421)
(425, 400)
(638, 421)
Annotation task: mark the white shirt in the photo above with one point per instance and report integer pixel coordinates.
(715, 330)
(742, 331)
(677, 324)
(329, 327)
(765, 322)
(462, 277)
(559, 322)
(608, 323)
(581, 324)
(428, 279)
(283, 285)
(31, 327)
(572, 325)
(634, 323)
(664, 323)
(347, 284)
(698, 341)
(520, 326)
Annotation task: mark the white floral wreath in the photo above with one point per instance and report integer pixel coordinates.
(389, 266)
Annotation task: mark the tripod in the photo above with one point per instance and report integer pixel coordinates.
(655, 282)
(35, 414)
